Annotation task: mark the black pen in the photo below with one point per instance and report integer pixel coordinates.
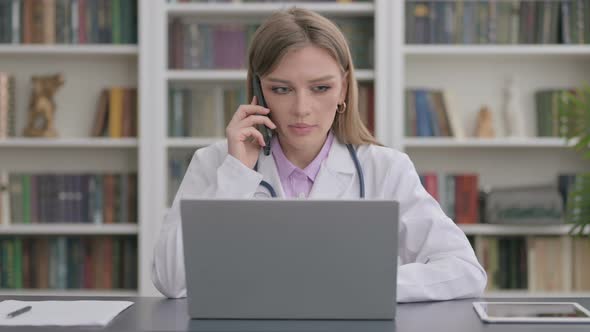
(18, 312)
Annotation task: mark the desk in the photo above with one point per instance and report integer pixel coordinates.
(158, 314)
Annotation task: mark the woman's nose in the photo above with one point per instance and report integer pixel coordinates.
(302, 104)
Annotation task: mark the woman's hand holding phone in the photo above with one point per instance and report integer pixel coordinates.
(243, 139)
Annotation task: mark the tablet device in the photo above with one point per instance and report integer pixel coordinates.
(532, 312)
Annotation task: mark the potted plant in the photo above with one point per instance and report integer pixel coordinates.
(574, 125)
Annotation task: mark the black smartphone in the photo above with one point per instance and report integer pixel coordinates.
(266, 132)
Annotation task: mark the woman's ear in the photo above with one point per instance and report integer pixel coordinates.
(344, 90)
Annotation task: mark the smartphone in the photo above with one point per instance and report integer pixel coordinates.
(266, 132)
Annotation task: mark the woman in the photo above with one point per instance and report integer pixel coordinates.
(307, 78)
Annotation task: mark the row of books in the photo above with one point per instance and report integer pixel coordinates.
(498, 22)
(89, 262)
(116, 113)
(263, 1)
(461, 199)
(536, 263)
(68, 198)
(199, 111)
(68, 21)
(457, 194)
(197, 45)
(7, 106)
(430, 113)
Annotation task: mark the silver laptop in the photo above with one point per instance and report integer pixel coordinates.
(290, 259)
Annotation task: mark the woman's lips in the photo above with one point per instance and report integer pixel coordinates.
(301, 128)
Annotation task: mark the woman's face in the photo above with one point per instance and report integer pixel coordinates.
(303, 93)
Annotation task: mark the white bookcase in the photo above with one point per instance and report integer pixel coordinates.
(474, 73)
(236, 12)
(87, 69)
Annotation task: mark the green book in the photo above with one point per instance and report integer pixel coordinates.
(18, 263)
(117, 253)
(26, 180)
(116, 21)
(8, 263)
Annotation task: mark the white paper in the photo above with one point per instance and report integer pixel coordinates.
(62, 313)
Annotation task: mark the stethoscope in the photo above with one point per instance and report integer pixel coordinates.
(357, 164)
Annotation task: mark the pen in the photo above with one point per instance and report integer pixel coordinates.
(18, 312)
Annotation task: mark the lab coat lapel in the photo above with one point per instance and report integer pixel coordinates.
(336, 176)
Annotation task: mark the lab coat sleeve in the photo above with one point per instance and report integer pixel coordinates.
(211, 173)
(436, 260)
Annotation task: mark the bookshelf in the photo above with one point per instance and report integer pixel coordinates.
(87, 68)
(220, 75)
(497, 230)
(502, 143)
(181, 147)
(258, 9)
(501, 50)
(106, 143)
(68, 229)
(476, 74)
(399, 65)
(79, 50)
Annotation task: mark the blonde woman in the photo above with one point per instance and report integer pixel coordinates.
(317, 150)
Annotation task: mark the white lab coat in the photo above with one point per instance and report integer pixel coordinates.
(436, 261)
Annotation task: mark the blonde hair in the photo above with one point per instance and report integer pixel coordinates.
(295, 28)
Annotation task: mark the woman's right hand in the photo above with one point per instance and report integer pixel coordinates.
(244, 141)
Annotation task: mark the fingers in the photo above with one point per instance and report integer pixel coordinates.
(246, 110)
(257, 120)
(246, 133)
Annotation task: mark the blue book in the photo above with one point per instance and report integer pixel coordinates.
(423, 125)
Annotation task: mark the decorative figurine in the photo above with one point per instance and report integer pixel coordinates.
(41, 120)
(485, 124)
(513, 117)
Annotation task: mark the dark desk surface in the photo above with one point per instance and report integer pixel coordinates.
(158, 314)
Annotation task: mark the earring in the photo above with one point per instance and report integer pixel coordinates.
(341, 108)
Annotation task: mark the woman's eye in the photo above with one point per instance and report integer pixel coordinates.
(321, 88)
(280, 90)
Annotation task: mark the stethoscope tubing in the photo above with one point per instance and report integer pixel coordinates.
(357, 165)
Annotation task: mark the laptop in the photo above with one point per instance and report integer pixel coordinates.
(290, 259)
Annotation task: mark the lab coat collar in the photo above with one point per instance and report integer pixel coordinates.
(339, 159)
(333, 180)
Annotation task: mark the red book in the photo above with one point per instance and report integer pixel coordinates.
(466, 199)
(431, 185)
(88, 268)
(82, 24)
(109, 199)
(107, 271)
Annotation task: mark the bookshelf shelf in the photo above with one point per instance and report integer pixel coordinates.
(69, 143)
(526, 293)
(445, 142)
(489, 229)
(192, 142)
(261, 9)
(87, 50)
(69, 229)
(68, 292)
(217, 75)
(497, 50)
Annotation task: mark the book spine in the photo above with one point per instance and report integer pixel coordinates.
(115, 112)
